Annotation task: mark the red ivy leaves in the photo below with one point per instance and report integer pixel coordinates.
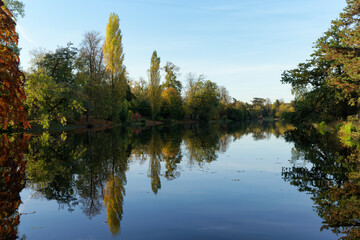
(12, 94)
(12, 181)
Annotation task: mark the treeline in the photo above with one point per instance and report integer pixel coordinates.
(92, 81)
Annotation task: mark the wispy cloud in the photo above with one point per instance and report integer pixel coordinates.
(24, 35)
(240, 69)
(231, 7)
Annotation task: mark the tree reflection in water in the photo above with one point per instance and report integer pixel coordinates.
(332, 179)
(88, 169)
(12, 182)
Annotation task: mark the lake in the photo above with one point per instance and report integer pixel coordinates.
(240, 181)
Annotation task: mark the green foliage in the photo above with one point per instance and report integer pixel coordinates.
(15, 7)
(172, 104)
(59, 65)
(51, 89)
(315, 98)
(344, 61)
(202, 97)
(283, 110)
(172, 73)
(91, 76)
(333, 179)
(49, 101)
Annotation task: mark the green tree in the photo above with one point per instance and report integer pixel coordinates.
(201, 98)
(52, 94)
(140, 103)
(172, 73)
(154, 85)
(344, 57)
(172, 103)
(315, 98)
(91, 76)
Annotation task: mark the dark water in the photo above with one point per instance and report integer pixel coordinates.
(244, 181)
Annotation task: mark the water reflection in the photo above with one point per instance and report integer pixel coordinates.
(87, 170)
(12, 182)
(332, 178)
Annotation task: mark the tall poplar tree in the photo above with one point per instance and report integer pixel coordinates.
(154, 85)
(114, 60)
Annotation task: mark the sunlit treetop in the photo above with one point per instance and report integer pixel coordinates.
(15, 7)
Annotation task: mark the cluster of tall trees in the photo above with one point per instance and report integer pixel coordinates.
(91, 80)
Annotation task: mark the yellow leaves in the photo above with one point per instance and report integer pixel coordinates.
(113, 201)
(112, 49)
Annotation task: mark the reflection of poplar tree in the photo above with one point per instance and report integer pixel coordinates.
(115, 187)
(113, 201)
(155, 158)
(12, 182)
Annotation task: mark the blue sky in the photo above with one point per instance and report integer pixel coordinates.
(243, 45)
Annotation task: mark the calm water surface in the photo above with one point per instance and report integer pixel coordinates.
(187, 182)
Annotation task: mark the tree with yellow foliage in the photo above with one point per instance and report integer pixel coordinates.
(154, 85)
(114, 60)
(113, 201)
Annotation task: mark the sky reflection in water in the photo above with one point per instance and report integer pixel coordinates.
(189, 182)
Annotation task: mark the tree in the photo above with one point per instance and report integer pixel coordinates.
(52, 94)
(202, 98)
(140, 103)
(114, 61)
(154, 85)
(59, 65)
(172, 73)
(344, 57)
(224, 95)
(15, 7)
(315, 98)
(172, 103)
(12, 94)
(92, 72)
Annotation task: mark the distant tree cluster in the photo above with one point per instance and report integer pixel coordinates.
(92, 80)
(90, 84)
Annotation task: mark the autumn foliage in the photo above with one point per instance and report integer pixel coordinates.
(344, 57)
(12, 94)
(12, 182)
